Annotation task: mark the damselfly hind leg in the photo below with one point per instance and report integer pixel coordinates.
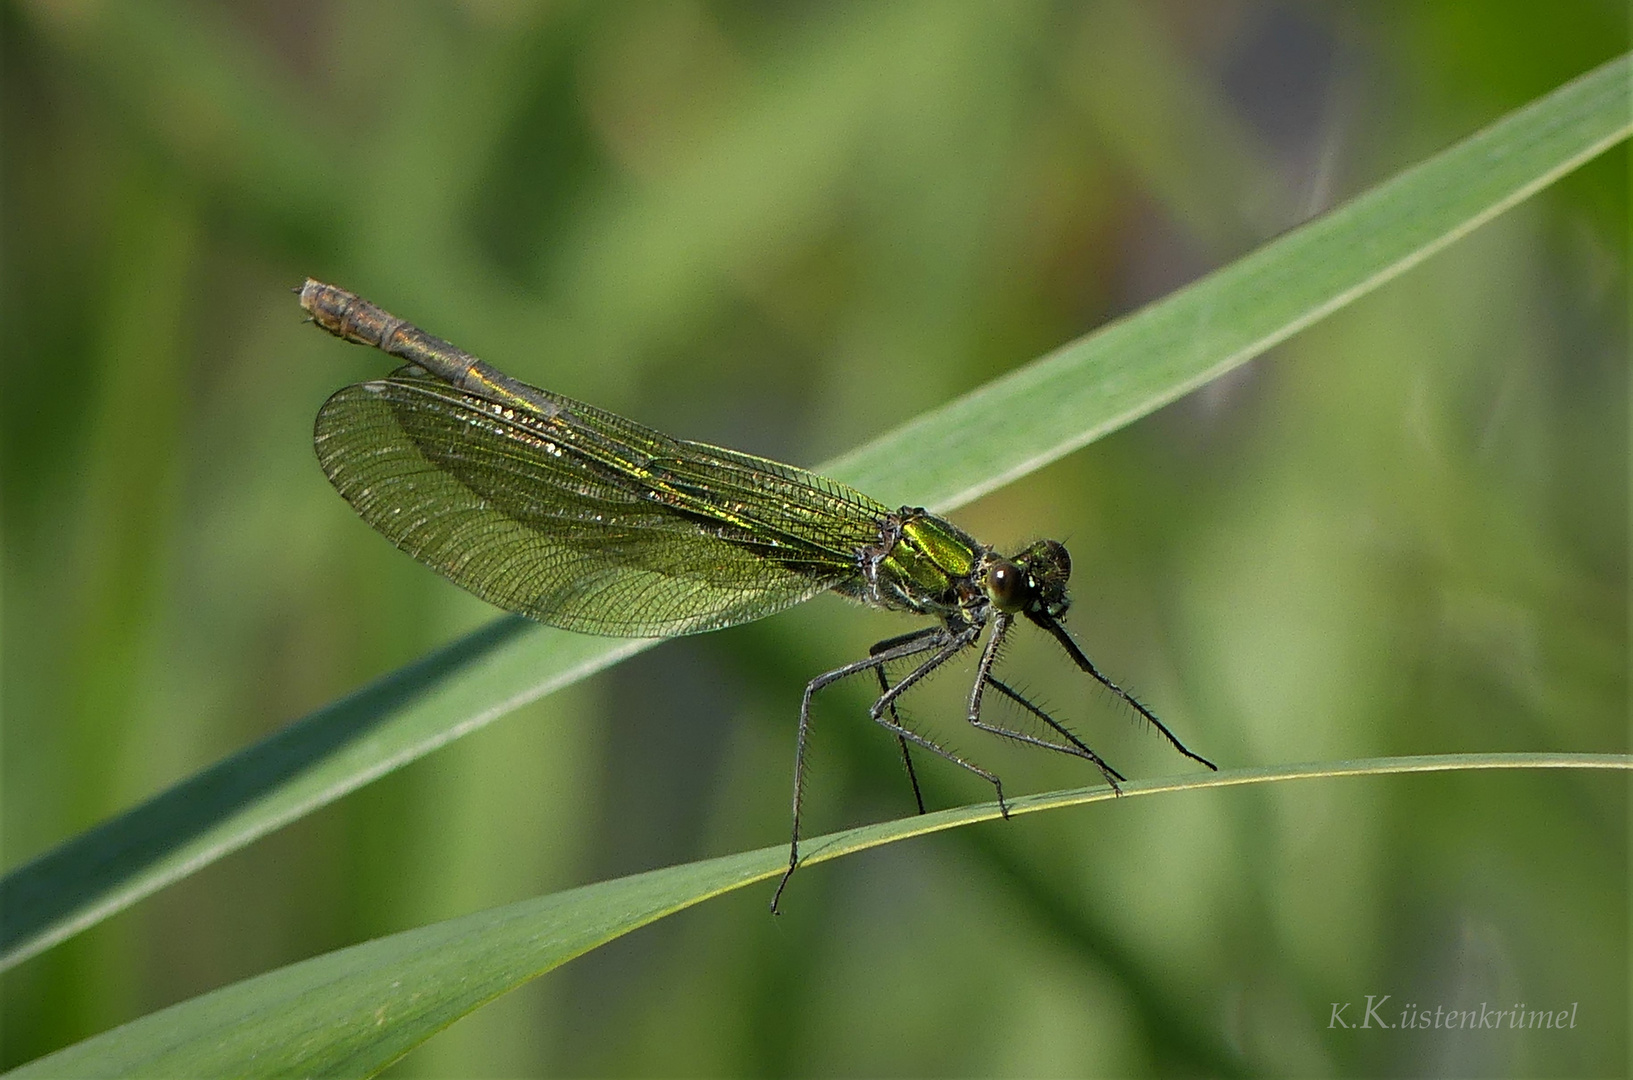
(946, 644)
(884, 688)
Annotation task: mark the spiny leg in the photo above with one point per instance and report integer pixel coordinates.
(908, 645)
(907, 757)
(884, 688)
(984, 678)
(1077, 749)
(952, 643)
(1059, 633)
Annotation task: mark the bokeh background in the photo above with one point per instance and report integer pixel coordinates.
(786, 228)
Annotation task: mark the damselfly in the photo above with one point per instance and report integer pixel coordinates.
(579, 518)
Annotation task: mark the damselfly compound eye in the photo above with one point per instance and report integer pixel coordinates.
(1007, 586)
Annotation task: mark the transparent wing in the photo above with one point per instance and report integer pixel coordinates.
(583, 519)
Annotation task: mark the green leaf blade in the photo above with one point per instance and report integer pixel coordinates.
(307, 764)
(354, 1011)
(1128, 369)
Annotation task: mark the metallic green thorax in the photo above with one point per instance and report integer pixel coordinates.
(924, 564)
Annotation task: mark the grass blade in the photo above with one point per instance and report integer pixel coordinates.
(354, 1011)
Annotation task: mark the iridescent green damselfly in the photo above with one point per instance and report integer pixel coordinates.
(581, 519)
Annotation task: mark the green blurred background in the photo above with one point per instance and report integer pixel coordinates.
(786, 228)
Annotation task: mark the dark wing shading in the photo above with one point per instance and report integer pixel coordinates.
(582, 519)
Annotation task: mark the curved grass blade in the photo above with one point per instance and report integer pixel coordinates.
(354, 1011)
(1074, 395)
